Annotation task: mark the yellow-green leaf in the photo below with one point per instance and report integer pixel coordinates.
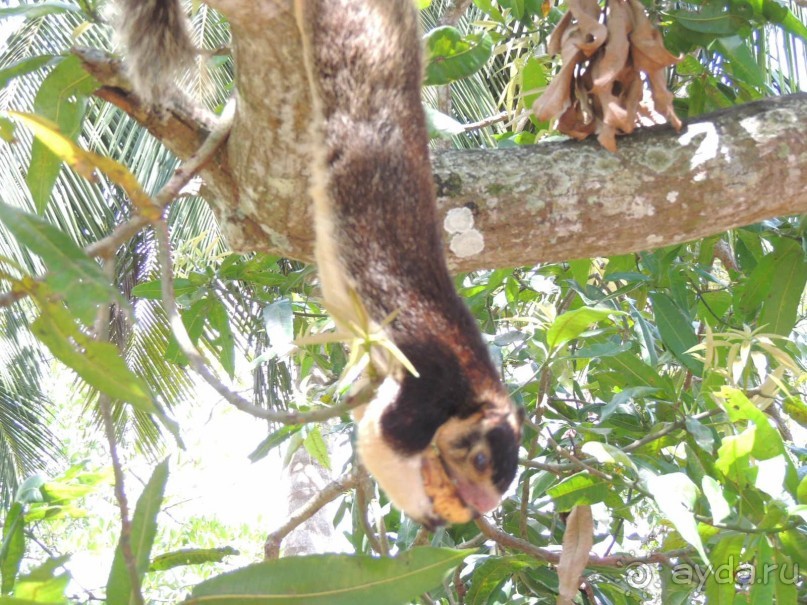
(331, 579)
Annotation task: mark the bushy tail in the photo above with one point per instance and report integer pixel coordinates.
(158, 45)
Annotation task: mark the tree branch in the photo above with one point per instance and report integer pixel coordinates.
(547, 202)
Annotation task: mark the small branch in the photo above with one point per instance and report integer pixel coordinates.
(102, 334)
(543, 554)
(328, 494)
(489, 121)
(377, 543)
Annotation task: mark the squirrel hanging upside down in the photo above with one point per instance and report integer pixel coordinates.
(442, 443)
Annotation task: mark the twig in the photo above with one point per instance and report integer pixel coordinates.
(102, 334)
(362, 501)
(484, 123)
(199, 365)
(328, 494)
(543, 554)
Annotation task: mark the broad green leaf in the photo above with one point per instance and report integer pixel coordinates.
(190, 556)
(710, 19)
(152, 290)
(315, 445)
(801, 491)
(676, 331)
(13, 548)
(785, 587)
(793, 24)
(582, 489)
(796, 409)
(762, 588)
(781, 305)
(71, 273)
(767, 441)
(605, 453)
(331, 579)
(732, 456)
(742, 63)
(533, 81)
(62, 98)
(753, 292)
(86, 162)
(490, 574)
(224, 343)
(23, 67)
(451, 56)
(634, 372)
(144, 528)
(725, 560)
(717, 502)
(794, 545)
(675, 496)
(98, 363)
(272, 441)
(45, 584)
(572, 324)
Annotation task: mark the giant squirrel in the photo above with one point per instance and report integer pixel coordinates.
(443, 442)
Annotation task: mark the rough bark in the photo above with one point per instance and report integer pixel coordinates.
(548, 202)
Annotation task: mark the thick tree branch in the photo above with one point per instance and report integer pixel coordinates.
(548, 202)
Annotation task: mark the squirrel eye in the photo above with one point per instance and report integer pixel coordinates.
(480, 461)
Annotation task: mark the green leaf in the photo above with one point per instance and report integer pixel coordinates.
(582, 489)
(675, 496)
(224, 343)
(62, 98)
(98, 363)
(711, 19)
(676, 331)
(23, 67)
(144, 528)
(762, 588)
(273, 440)
(725, 561)
(491, 574)
(44, 584)
(71, 273)
(717, 502)
(572, 324)
(331, 579)
(450, 56)
(781, 305)
(742, 63)
(605, 453)
(152, 290)
(801, 491)
(13, 548)
(792, 23)
(315, 445)
(190, 556)
(785, 587)
(732, 456)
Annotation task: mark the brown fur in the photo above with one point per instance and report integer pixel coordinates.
(377, 233)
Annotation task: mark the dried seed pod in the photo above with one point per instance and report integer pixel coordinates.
(599, 87)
